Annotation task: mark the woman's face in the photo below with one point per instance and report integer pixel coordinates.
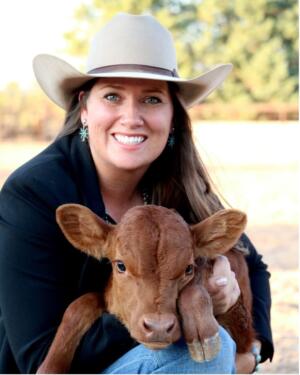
(129, 121)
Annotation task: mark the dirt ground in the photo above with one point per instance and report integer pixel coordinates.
(255, 167)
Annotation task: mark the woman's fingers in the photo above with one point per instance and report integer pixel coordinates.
(223, 286)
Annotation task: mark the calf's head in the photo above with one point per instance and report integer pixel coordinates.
(152, 251)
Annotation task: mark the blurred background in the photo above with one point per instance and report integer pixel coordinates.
(247, 131)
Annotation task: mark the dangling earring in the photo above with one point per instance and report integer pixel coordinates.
(171, 139)
(83, 131)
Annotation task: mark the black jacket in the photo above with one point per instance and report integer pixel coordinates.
(41, 273)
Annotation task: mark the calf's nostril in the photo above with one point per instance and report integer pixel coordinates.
(146, 325)
(170, 327)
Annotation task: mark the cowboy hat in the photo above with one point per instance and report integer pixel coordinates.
(135, 46)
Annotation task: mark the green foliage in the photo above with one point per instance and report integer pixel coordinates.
(259, 37)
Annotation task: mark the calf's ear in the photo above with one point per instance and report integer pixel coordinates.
(84, 229)
(218, 233)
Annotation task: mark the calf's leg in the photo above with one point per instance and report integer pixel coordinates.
(77, 319)
(238, 322)
(199, 325)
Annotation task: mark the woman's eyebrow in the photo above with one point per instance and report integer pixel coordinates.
(156, 90)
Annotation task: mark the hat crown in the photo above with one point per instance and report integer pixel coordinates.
(132, 39)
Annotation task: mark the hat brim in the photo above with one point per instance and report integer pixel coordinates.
(59, 80)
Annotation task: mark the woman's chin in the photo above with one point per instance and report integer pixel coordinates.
(131, 166)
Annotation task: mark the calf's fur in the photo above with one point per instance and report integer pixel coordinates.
(157, 288)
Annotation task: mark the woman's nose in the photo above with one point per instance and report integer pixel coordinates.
(132, 116)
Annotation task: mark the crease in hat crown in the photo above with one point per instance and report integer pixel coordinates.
(131, 39)
(128, 46)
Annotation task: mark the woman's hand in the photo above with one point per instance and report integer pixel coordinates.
(245, 363)
(223, 286)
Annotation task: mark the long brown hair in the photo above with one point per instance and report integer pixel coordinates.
(177, 178)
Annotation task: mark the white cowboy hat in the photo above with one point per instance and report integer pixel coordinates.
(135, 46)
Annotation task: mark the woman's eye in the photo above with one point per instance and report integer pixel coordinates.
(120, 266)
(189, 270)
(112, 97)
(152, 100)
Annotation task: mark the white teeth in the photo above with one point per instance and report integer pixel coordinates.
(126, 140)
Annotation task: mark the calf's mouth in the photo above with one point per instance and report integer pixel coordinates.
(156, 345)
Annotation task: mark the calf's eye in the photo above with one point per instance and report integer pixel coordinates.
(189, 270)
(120, 266)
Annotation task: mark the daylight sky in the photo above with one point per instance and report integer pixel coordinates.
(30, 27)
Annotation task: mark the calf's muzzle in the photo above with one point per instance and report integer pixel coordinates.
(159, 330)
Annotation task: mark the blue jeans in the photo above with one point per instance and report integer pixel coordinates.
(174, 360)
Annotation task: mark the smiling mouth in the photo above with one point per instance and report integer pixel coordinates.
(129, 140)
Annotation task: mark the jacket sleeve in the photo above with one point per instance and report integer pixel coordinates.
(260, 286)
(39, 276)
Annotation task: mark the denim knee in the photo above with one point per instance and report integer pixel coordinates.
(175, 359)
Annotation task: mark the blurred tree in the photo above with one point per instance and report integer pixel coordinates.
(11, 100)
(259, 37)
(28, 113)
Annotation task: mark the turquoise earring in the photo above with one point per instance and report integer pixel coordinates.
(83, 131)
(171, 139)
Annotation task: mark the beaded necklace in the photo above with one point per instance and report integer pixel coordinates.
(146, 200)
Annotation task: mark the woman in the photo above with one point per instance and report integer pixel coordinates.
(126, 141)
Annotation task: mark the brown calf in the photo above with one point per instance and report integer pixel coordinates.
(158, 283)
